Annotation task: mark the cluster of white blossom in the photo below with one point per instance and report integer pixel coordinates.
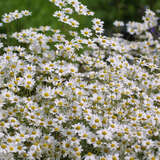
(65, 11)
(12, 16)
(150, 20)
(89, 98)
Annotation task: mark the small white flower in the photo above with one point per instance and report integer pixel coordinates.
(86, 32)
(118, 23)
(47, 92)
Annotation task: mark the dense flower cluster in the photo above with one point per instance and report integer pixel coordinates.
(12, 16)
(89, 98)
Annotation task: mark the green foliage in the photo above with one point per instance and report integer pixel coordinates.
(40, 10)
(110, 10)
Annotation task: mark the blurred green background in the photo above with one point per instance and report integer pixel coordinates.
(107, 10)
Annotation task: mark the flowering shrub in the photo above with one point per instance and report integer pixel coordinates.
(81, 95)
